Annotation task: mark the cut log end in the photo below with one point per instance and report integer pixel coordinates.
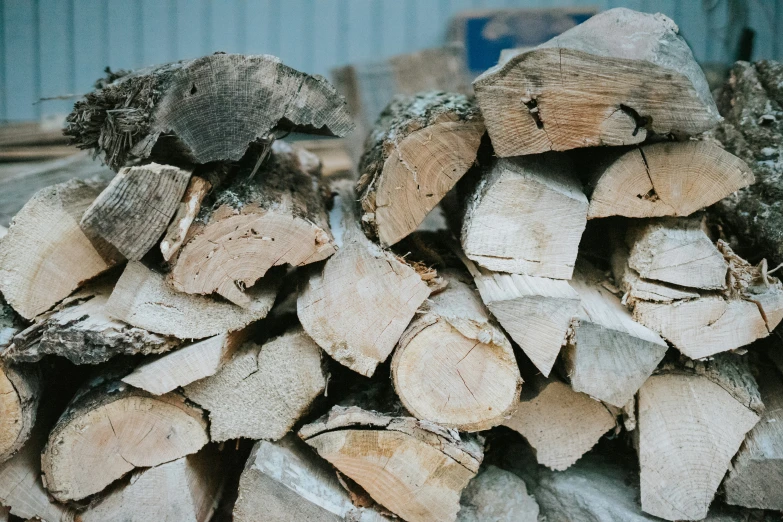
(20, 390)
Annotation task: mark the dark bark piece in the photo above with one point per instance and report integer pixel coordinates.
(202, 110)
(135, 209)
(612, 80)
(419, 148)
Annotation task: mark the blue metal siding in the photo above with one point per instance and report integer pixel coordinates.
(51, 48)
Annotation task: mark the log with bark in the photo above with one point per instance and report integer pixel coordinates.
(275, 216)
(608, 81)
(203, 110)
(418, 150)
(20, 394)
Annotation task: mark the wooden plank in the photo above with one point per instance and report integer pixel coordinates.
(394, 22)
(325, 52)
(57, 54)
(91, 46)
(157, 31)
(20, 56)
(292, 38)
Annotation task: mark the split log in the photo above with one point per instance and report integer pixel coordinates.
(20, 393)
(559, 423)
(189, 207)
(526, 216)
(142, 298)
(187, 364)
(80, 330)
(203, 110)
(110, 428)
(46, 255)
(358, 304)
(535, 311)
(691, 423)
(284, 481)
(135, 209)
(416, 469)
(418, 150)
(186, 490)
(664, 179)
(496, 494)
(276, 217)
(453, 365)
(263, 390)
(609, 355)
(608, 81)
(755, 479)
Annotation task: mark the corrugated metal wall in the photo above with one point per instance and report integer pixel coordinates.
(51, 48)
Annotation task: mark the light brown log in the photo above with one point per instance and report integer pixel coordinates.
(135, 209)
(419, 148)
(143, 299)
(526, 216)
(612, 80)
(277, 217)
(415, 469)
(263, 390)
(189, 207)
(109, 429)
(453, 365)
(186, 490)
(358, 304)
(496, 494)
(559, 423)
(664, 179)
(187, 364)
(20, 393)
(691, 423)
(285, 482)
(609, 355)
(80, 330)
(535, 311)
(46, 255)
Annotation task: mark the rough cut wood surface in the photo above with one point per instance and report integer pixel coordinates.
(20, 393)
(414, 468)
(143, 299)
(111, 428)
(690, 426)
(187, 210)
(559, 423)
(135, 209)
(664, 179)
(45, 255)
(207, 109)
(357, 305)
(263, 390)
(612, 80)
(80, 330)
(277, 217)
(453, 365)
(526, 216)
(418, 150)
(496, 494)
(285, 481)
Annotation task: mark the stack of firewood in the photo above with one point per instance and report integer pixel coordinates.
(511, 281)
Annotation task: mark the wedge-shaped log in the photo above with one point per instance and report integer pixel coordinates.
(609, 355)
(277, 217)
(203, 110)
(609, 81)
(453, 365)
(188, 364)
(664, 179)
(187, 211)
(284, 481)
(46, 255)
(526, 216)
(359, 303)
(135, 209)
(20, 393)
(535, 311)
(559, 423)
(496, 494)
(186, 489)
(418, 150)
(415, 469)
(110, 429)
(691, 423)
(80, 330)
(755, 479)
(143, 299)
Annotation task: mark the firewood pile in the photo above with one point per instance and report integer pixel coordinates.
(552, 301)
